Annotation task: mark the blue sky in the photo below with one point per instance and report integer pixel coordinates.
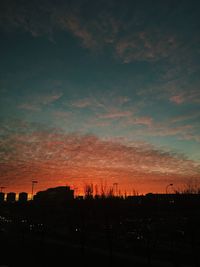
(124, 72)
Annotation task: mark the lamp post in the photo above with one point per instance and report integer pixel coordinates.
(115, 188)
(33, 183)
(75, 190)
(167, 187)
(1, 188)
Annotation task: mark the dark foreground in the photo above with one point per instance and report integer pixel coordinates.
(115, 232)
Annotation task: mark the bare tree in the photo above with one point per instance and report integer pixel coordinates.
(88, 190)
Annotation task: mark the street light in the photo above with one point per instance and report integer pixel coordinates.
(115, 189)
(1, 188)
(33, 183)
(167, 187)
(75, 190)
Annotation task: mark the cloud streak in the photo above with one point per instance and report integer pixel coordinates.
(116, 115)
(38, 101)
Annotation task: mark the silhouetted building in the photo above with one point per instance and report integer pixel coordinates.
(23, 197)
(11, 197)
(57, 195)
(2, 196)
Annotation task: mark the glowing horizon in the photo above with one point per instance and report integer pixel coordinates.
(55, 158)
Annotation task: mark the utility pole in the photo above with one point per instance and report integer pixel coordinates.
(167, 187)
(75, 191)
(33, 183)
(1, 188)
(115, 188)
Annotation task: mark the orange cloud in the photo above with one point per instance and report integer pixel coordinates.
(178, 99)
(53, 157)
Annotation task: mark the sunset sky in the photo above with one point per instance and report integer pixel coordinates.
(99, 92)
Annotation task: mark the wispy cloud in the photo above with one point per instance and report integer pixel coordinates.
(101, 28)
(186, 117)
(191, 136)
(37, 101)
(177, 99)
(115, 115)
(60, 114)
(191, 96)
(165, 130)
(144, 120)
(30, 107)
(106, 101)
(73, 24)
(83, 103)
(133, 119)
(141, 46)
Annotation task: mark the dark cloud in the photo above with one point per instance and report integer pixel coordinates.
(135, 30)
